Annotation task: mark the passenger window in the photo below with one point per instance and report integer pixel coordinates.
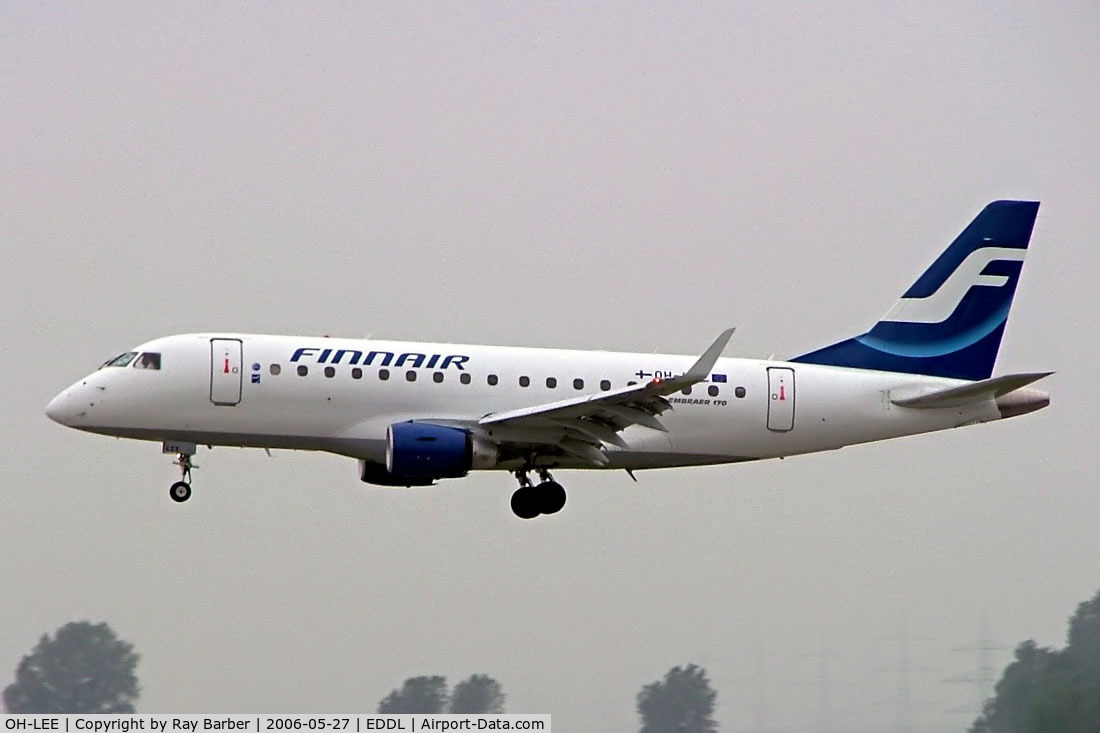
(330, 372)
(356, 373)
(605, 384)
(302, 370)
(121, 360)
(551, 382)
(464, 378)
(410, 376)
(739, 392)
(524, 381)
(275, 369)
(578, 384)
(383, 374)
(686, 390)
(148, 360)
(437, 377)
(712, 391)
(492, 380)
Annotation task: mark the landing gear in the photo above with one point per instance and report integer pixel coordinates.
(529, 500)
(181, 490)
(553, 497)
(525, 503)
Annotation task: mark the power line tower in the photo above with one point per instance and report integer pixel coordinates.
(717, 664)
(755, 701)
(760, 663)
(905, 668)
(825, 712)
(984, 675)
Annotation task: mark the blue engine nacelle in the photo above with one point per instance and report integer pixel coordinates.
(376, 473)
(420, 452)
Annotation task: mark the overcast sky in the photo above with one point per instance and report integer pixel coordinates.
(633, 177)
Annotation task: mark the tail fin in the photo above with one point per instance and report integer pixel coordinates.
(950, 322)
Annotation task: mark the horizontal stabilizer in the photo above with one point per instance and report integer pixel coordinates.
(986, 389)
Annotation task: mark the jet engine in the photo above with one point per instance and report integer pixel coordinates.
(419, 453)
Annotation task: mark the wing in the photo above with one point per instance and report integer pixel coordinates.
(583, 426)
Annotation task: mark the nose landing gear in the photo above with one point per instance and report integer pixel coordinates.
(181, 490)
(530, 500)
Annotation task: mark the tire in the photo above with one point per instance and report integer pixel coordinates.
(551, 497)
(180, 491)
(525, 503)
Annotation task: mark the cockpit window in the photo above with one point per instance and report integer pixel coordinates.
(148, 360)
(121, 360)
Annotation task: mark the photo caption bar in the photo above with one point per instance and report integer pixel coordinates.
(122, 723)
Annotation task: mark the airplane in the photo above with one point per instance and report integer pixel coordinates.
(414, 413)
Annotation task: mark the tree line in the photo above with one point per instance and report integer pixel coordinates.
(86, 668)
(1045, 690)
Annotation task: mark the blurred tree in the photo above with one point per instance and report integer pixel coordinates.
(85, 668)
(1063, 703)
(417, 695)
(1044, 690)
(1013, 698)
(1084, 639)
(477, 694)
(682, 703)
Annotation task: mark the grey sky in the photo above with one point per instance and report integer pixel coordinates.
(629, 177)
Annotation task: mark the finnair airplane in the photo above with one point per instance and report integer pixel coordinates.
(414, 413)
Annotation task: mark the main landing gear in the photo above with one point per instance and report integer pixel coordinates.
(531, 500)
(181, 490)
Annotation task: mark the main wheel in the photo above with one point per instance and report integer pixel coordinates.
(551, 497)
(525, 503)
(180, 491)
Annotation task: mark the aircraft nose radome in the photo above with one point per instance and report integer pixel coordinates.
(62, 409)
(55, 409)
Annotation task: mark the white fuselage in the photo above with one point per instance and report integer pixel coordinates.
(254, 396)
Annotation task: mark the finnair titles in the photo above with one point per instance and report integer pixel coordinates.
(413, 360)
(415, 413)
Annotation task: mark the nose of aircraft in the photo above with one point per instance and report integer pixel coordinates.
(66, 407)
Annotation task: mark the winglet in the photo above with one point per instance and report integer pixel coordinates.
(700, 370)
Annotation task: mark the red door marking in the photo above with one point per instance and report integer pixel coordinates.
(227, 365)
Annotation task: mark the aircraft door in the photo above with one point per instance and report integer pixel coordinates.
(780, 399)
(225, 371)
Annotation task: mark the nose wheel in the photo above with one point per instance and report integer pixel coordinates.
(181, 490)
(531, 500)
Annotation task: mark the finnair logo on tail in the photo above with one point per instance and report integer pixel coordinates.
(938, 307)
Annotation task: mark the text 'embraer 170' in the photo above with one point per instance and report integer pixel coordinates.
(413, 413)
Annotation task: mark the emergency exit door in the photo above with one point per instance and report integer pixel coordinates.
(780, 399)
(225, 371)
